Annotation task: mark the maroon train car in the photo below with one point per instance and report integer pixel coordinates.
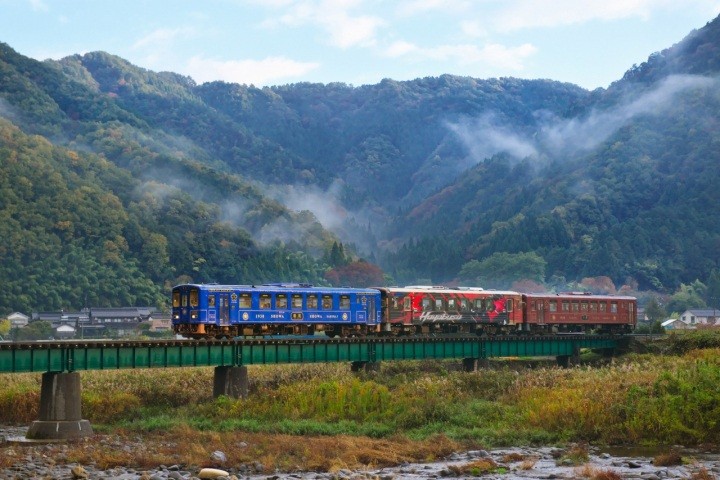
(579, 312)
(435, 309)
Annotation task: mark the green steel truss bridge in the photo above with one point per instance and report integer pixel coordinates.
(71, 356)
(62, 361)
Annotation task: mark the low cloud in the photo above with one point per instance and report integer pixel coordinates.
(324, 204)
(258, 72)
(486, 136)
(585, 133)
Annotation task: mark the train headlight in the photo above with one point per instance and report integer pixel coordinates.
(194, 315)
(176, 316)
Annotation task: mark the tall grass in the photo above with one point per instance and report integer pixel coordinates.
(641, 399)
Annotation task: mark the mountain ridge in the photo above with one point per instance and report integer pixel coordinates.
(425, 177)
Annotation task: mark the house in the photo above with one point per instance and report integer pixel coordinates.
(700, 316)
(64, 331)
(160, 322)
(18, 320)
(676, 324)
(121, 321)
(98, 322)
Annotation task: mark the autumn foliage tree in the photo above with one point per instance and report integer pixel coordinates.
(356, 274)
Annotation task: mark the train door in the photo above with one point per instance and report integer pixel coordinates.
(540, 311)
(372, 318)
(224, 308)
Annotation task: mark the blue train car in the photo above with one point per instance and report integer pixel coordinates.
(217, 311)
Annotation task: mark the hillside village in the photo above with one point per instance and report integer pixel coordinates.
(122, 322)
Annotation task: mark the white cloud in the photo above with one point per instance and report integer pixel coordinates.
(258, 72)
(162, 36)
(413, 7)
(473, 28)
(344, 28)
(39, 6)
(551, 13)
(467, 54)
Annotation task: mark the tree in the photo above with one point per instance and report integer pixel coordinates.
(357, 274)
(5, 326)
(499, 270)
(35, 331)
(712, 293)
(654, 311)
(687, 297)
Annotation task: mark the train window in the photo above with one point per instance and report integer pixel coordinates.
(395, 303)
(281, 301)
(452, 304)
(479, 304)
(575, 306)
(327, 302)
(312, 301)
(584, 306)
(464, 306)
(345, 302)
(245, 300)
(211, 300)
(194, 300)
(602, 306)
(297, 301)
(553, 306)
(407, 303)
(509, 305)
(426, 304)
(593, 307)
(613, 307)
(439, 304)
(184, 300)
(565, 306)
(265, 301)
(176, 299)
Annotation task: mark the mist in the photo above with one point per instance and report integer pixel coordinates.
(557, 138)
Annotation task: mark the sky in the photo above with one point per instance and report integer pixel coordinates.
(590, 43)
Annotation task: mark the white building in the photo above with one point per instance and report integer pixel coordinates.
(700, 317)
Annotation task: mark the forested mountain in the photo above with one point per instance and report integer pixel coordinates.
(118, 182)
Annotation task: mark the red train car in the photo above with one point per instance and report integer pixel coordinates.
(430, 309)
(579, 312)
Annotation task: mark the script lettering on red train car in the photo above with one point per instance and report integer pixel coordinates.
(439, 317)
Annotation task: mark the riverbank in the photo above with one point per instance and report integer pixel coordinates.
(96, 458)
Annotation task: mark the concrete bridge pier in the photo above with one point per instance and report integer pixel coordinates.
(231, 381)
(60, 416)
(566, 361)
(474, 364)
(365, 366)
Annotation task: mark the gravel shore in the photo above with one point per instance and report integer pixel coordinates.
(20, 459)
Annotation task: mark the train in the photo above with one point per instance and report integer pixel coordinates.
(227, 311)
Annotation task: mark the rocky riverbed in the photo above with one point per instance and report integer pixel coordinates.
(20, 459)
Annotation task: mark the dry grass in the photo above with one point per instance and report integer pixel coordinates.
(476, 468)
(702, 474)
(513, 457)
(593, 473)
(667, 459)
(190, 448)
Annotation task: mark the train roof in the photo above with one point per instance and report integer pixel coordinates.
(446, 290)
(277, 287)
(580, 295)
